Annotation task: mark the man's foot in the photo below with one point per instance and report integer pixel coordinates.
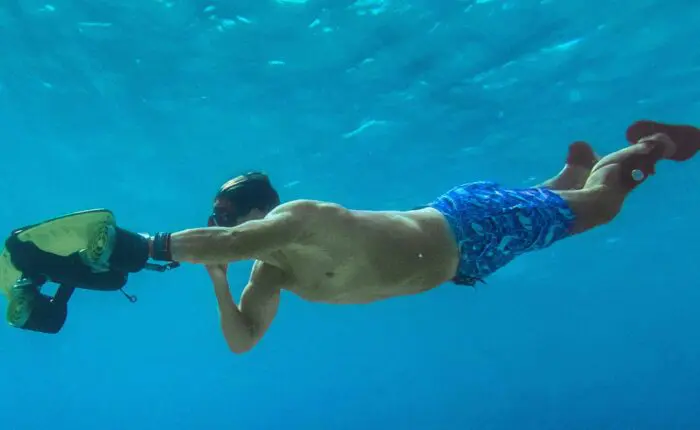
(581, 155)
(652, 149)
(579, 162)
(685, 137)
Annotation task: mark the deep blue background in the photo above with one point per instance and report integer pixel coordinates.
(145, 107)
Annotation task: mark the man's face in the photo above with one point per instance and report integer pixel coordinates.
(225, 214)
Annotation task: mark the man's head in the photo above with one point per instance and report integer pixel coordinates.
(244, 198)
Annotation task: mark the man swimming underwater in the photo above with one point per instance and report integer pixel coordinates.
(326, 253)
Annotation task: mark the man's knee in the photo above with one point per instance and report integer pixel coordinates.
(593, 208)
(606, 209)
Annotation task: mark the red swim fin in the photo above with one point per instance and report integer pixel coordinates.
(686, 137)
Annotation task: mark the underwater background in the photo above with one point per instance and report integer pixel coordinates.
(146, 106)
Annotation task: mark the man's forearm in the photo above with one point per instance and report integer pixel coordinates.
(213, 245)
(217, 245)
(252, 240)
(237, 330)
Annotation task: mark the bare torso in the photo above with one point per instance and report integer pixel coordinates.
(344, 256)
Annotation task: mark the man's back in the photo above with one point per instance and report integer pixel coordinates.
(345, 256)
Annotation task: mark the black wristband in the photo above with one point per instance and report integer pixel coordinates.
(161, 247)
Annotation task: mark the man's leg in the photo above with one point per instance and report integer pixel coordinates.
(579, 163)
(617, 174)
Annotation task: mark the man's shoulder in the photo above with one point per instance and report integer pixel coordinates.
(305, 209)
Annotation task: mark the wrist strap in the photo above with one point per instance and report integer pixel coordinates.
(161, 247)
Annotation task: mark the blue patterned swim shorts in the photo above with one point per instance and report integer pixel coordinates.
(492, 224)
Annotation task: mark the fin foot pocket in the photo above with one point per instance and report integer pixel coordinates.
(100, 242)
(686, 137)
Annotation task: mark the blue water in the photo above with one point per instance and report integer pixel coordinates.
(146, 107)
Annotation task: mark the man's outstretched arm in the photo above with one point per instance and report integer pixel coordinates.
(248, 241)
(254, 240)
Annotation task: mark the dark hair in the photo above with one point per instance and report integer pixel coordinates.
(249, 191)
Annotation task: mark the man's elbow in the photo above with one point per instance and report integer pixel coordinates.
(241, 345)
(238, 350)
